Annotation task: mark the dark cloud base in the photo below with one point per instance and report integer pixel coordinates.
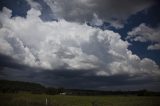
(73, 79)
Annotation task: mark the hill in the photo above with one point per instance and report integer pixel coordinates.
(7, 86)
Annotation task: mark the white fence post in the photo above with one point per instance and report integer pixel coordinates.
(46, 102)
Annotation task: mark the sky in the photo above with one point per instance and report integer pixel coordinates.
(81, 44)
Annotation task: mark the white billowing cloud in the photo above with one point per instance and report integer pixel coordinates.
(68, 45)
(143, 33)
(112, 11)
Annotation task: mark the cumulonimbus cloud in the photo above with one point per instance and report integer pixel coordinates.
(69, 45)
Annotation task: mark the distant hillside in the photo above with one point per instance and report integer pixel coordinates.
(18, 86)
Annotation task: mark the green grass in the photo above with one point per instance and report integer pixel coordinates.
(26, 99)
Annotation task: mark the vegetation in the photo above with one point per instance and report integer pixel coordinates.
(27, 99)
(15, 93)
(17, 86)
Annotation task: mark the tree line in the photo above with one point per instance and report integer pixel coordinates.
(7, 86)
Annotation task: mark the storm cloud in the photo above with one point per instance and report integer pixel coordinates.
(111, 11)
(62, 53)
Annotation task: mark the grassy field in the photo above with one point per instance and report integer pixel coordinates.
(26, 99)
